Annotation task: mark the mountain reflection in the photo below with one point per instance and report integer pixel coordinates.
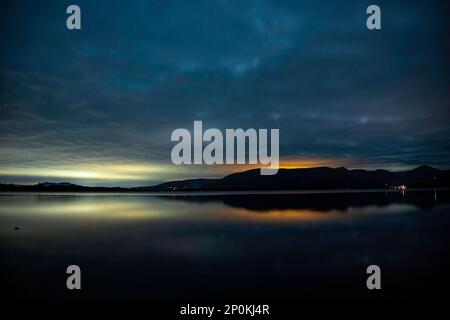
(247, 245)
(323, 202)
(301, 207)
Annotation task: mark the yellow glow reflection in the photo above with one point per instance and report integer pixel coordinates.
(95, 208)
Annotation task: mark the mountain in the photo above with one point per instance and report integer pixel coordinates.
(56, 184)
(319, 178)
(56, 187)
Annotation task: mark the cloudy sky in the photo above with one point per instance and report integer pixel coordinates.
(97, 106)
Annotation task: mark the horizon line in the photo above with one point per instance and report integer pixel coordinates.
(237, 172)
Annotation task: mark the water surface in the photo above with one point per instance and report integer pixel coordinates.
(225, 246)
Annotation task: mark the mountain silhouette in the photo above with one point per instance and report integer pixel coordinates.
(319, 178)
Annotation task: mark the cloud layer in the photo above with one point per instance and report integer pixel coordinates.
(112, 92)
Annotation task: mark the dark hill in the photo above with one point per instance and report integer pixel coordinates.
(313, 178)
(320, 178)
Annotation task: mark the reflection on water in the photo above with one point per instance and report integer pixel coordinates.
(223, 245)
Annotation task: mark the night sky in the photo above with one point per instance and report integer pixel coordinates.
(97, 106)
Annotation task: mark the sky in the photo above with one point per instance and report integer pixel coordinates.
(97, 106)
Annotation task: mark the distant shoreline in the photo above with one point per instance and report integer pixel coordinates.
(294, 180)
(214, 193)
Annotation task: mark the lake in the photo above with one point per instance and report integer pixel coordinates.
(212, 246)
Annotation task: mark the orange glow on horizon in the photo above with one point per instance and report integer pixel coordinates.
(146, 173)
(294, 163)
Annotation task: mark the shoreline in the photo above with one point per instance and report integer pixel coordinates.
(219, 193)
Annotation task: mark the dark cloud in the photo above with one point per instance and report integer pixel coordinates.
(136, 71)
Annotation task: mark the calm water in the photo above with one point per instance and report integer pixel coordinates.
(271, 246)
